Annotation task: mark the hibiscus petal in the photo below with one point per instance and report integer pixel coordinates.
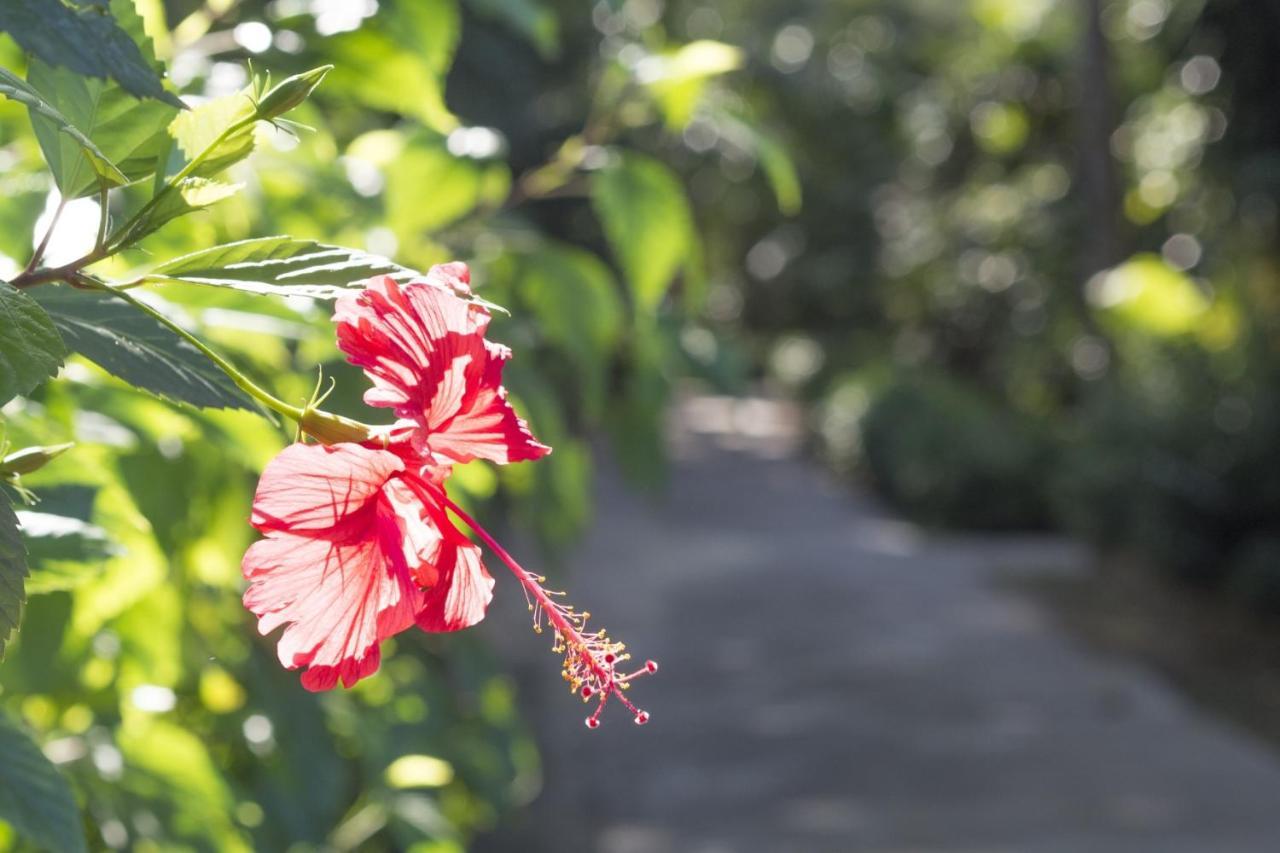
(340, 600)
(462, 591)
(487, 427)
(311, 487)
(423, 348)
(394, 334)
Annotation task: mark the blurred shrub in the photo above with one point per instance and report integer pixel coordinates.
(947, 455)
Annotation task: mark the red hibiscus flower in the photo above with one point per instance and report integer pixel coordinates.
(359, 544)
(353, 555)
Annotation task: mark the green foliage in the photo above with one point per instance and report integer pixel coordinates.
(137, 665)
(87, 41)
(34, 796)
(648, 222)
(30, 349)
(13, 573)
(948, 456)
(126, 130)
(279, 266)
(138, 349)
(51, 125)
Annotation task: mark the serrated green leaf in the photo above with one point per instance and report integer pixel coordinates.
(34, 797)
(62, 552)
(138, 349)
(13, 573)
(31, 350)
(88, 41)
(45, 115)
(128, 131)
(648, 223)
(279, 266)
(197, 129)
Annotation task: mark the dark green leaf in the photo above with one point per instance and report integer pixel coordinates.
(34, 797)
(62, 552)
(30, 349)
(88, 41)
(647, 220)
(47, 121)
(13, 573)
(280, 266)
(129, 132)
(138, 349)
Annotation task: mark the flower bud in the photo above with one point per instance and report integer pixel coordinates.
(290, 92)
(30, 459)
(329, 428)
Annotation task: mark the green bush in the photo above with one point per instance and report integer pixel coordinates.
(945, 454)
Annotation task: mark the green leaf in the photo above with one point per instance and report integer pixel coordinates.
(87, 41)
(34, 797)
(779, 168)
(413, 41)
(128, 132)
(138, 349)
(677, 79)
(30, 349)
(578, 308)
(45, 118)
(13, 573)
(458, 186)
(278, 266)
(197, 129)
(648, 223)
(62, 552)
(534, 21)
(188, 196)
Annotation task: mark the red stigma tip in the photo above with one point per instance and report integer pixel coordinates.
(642, 718)
(609, 658)
(651, 666)
(593, 723)
(587, 691)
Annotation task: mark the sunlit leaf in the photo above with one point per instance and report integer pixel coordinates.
(87, 41)
(34, 797)
(677, 79)
(279, 266)
(414, 45)
(138, 349)
(648, 222)
(188, 196)
(30, 348)
(199, 131)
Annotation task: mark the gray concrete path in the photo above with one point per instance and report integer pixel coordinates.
(835, 680)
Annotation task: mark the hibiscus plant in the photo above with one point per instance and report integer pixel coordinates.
(154, 362)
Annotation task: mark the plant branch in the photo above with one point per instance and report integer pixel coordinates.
(44, 241)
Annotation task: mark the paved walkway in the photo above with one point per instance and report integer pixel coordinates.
(835, 680)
